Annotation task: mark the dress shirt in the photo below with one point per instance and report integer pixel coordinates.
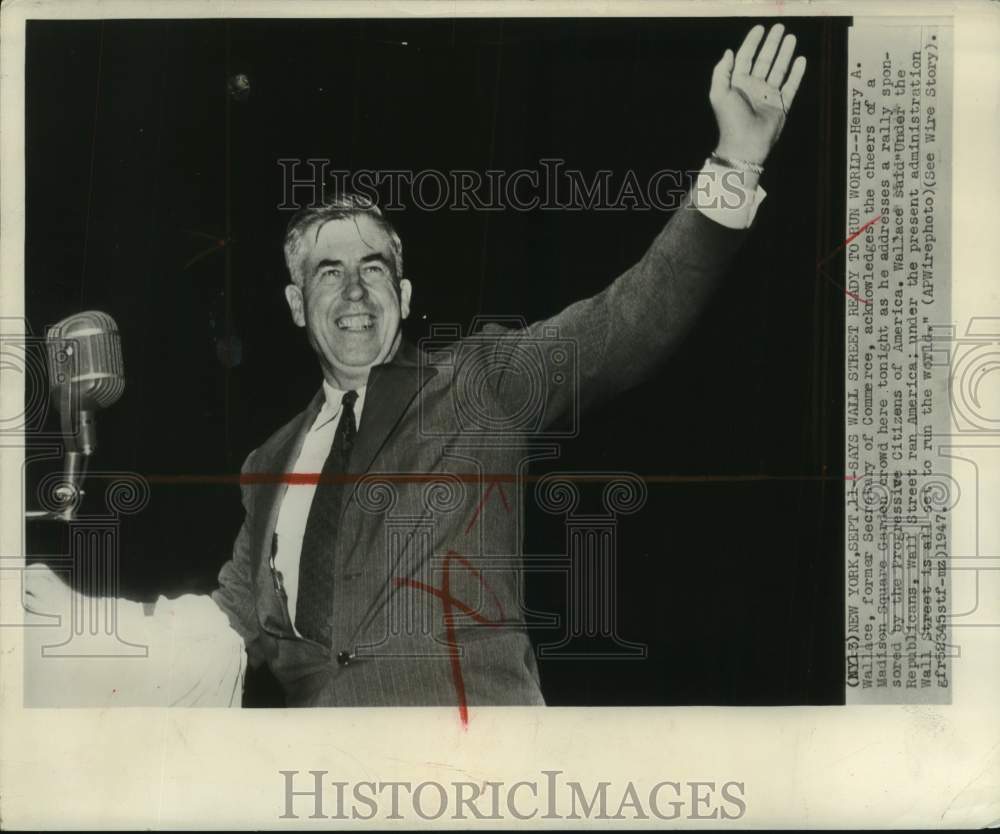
(294, 513)
(727, 196)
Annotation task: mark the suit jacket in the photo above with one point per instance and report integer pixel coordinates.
(428, 588)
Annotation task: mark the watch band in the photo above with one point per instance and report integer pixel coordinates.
(737, 164)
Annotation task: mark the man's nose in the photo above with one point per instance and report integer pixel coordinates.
(355, 288)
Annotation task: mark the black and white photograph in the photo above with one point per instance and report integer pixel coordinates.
(454, 304)
(432, 412)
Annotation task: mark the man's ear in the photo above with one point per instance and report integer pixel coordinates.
(293, 295)
(405, 292)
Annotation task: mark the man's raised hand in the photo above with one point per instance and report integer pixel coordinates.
(751, 96)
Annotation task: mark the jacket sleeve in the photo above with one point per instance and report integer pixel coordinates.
(235, 594)
(603, 345)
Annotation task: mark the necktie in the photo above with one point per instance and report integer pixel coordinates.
(315, 598)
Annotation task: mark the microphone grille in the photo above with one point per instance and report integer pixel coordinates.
(85, 350)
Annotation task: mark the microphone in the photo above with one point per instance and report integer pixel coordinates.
(85, 374)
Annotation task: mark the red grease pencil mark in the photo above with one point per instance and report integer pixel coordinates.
(821, 261)
(871, 222)
(857, 297)
(297, 479)
(449, 603)
(503, 497)
(308, 478)
(479, 507)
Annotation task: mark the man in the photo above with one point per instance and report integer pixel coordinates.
(388, 579)
(371, 569)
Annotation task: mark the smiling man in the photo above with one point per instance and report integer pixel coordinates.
(370, 569)
(347, 288)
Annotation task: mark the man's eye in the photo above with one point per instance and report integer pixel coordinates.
(330, 272)
(374, 269)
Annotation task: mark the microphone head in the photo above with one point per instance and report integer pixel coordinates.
(85, 358)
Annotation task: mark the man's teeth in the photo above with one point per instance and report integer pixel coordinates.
(361, 322)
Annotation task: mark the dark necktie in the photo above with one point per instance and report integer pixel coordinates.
(315, 597)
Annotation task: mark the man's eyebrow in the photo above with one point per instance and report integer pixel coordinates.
(375, 257)
(327, 262)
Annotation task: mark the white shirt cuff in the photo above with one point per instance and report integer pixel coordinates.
(727, 196)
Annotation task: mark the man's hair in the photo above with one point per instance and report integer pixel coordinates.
(346, 206)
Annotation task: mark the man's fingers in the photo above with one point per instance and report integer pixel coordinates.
(780, 66)
(762, 65)
(792, 84)
(744, 57)
(39, 578)
(721, 75)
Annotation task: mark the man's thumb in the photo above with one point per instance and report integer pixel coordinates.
(722, 75)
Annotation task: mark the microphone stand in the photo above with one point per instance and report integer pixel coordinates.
(81, 441)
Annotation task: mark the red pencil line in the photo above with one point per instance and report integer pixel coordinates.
(860, 231)
(819, 263)
(305, 478)
(448, 602)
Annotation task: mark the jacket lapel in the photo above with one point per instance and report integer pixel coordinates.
(391, 389)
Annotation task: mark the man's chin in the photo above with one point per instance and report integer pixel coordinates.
(359, 358)
(357, 363)
(356, 354)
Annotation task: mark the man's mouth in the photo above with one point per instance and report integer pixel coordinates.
(356, 323)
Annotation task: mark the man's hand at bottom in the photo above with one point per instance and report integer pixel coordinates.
(192, 655)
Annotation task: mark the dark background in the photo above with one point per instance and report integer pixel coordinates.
(138, 161)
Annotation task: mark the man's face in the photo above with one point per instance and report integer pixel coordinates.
(348, 301)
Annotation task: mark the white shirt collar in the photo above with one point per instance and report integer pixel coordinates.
(332, 404)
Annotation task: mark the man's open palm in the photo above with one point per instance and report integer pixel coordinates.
(751, 97)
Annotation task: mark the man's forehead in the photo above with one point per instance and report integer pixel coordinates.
(347, 237)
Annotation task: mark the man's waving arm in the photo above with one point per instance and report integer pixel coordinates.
(622, 333)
